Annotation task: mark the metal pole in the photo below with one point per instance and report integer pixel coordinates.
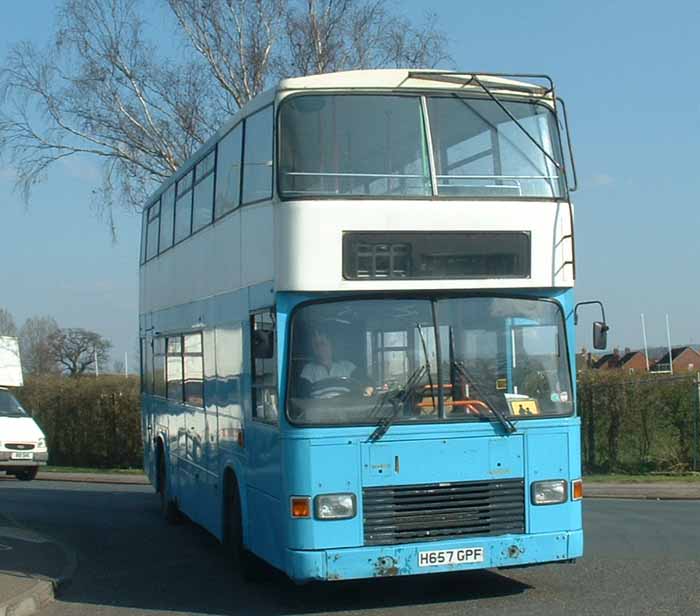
(644, 335)
(126, 364)
(696, 424)
(668, 340)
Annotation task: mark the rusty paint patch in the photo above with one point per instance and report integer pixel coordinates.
(385, 566)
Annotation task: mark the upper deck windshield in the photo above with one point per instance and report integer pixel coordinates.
(356, 361)
(372, 145)
(9, 407)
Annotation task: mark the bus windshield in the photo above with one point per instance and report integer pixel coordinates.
(357, 361)
(377, 146)
(9, 407)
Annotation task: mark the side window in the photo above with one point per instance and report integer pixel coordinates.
(167, 213)
(264, 367)
(144, 227)
(194, 369)
(257, 157)
(203, 192)
(228, 172)
(152, 234)
(143, 364)
(147, 365)
(173, 364)
(183, 208)
(159, 367)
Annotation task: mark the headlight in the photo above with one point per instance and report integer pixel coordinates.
(41, 443)
(549, 492)
(335, 506)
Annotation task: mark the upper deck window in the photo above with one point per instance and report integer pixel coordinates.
(152, 234)
(167, 218)
(228, 172)
(257, 157)
(183, 208)
(359, 145)
(377, 146)
(479, 150)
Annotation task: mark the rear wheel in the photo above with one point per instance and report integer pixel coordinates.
(248, 566)
(168, 507)
(27, 474)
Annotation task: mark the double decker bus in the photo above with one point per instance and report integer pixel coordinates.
(357, 328)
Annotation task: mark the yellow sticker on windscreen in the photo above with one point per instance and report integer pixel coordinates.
(523, 408)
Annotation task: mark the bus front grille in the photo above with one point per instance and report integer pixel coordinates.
(431, 512)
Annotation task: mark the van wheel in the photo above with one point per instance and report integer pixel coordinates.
(168, 507)
(27, 474)
(247, 565)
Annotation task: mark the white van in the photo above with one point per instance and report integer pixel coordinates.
(22, 443)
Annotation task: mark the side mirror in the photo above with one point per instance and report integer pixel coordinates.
(263, 343)
(600, 335)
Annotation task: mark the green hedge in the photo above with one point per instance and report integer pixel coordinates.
(88, 421)
(629, 424)
(637, 424)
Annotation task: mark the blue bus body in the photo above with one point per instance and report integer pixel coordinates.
(274, 462)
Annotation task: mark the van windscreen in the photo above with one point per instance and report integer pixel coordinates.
(9, 407)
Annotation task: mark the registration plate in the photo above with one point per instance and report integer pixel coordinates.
(22, 455)
(435, 558)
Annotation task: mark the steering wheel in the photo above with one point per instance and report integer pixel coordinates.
(335, 386)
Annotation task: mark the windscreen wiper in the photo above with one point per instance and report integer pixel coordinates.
(507, 424)
(427, 364)
(526, 132)
(397, 400)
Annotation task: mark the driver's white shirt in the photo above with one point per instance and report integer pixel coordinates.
(316, 372)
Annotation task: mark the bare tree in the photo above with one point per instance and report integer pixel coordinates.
(334, 35)
(100, 89)
(236, 39)
(7, 323)
(34, 338)
(75, 350)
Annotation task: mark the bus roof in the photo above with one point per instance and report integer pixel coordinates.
(422, 79)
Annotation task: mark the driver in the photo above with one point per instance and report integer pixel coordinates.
(325, 368)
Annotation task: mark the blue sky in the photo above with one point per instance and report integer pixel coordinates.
(628, 72)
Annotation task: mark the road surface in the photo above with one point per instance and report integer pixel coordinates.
(642, 557)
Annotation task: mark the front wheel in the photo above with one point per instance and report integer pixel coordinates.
(248, 566)
(168, 507)
(27, 474)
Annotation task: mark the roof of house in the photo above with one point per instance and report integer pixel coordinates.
(675, 352)
(628, 356)
(603, 360)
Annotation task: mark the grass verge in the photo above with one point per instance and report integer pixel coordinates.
(648, 478)
(100, 471)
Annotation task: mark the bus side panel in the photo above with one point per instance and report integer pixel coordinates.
(147, 436)
(263, 473)
(549, 455)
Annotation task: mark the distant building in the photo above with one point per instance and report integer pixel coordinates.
(630, 361)
(685, 359)
(584, 360)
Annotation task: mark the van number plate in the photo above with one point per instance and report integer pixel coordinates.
(437, 558)
(22, 455)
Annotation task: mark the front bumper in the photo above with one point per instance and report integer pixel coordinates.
(40, 458)
(382, 561)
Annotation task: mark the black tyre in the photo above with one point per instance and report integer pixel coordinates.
(247, 565)
(27, 474)
(168, 506)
